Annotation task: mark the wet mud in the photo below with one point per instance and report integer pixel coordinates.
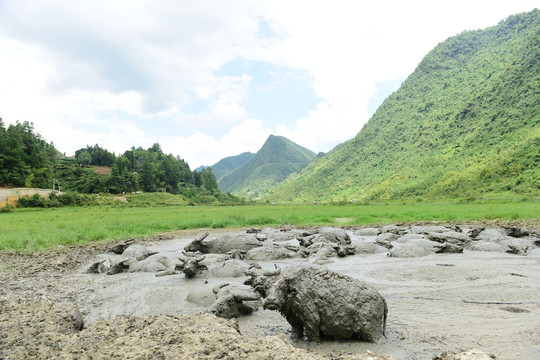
(488, 300)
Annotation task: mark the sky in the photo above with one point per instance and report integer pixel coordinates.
(207, 79)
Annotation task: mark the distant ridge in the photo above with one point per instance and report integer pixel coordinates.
(465, 123)
(228, 164)
(277, 159)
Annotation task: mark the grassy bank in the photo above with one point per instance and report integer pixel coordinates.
(35, 229)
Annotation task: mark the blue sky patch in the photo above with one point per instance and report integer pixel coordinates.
(276, 95)
(384, 89)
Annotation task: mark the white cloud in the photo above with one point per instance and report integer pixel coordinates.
(113, 72)
(323, 128)
(351, 46)
(202, 149)
(157, 50)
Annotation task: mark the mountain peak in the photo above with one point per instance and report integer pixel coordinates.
(277, 158)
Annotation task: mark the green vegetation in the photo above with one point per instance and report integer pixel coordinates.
(133, 200)
(228, 164)
(137, 169)
(466, 123)
(26, 160)
(277, 159)
(35, 229)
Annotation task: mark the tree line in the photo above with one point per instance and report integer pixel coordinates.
(26, 159)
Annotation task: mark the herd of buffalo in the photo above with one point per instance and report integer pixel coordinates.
(317, 302)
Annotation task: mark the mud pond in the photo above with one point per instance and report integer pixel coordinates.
(485, 297)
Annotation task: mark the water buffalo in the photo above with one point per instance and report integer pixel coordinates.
(327, 304)
(258, 277)
(233, 300)
(223, 244)
(192, 265)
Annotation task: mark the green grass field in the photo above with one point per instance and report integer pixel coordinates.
(26, 230)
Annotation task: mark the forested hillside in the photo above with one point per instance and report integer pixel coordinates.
(26, 160)
(466, 122)
(277, 159)
(230, 163)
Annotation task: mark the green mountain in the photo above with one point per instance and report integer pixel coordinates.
(466, 122)
(228, 164)
(277, 159)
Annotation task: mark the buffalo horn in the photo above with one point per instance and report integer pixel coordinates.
(216, 289)
(201, 238)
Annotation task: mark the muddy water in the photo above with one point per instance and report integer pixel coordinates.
(437, 302)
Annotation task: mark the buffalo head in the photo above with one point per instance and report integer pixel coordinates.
(258, 277)
(277, 293)
(192, 266)
(197, 244)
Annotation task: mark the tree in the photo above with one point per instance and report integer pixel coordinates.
(84, 158)
(22, 153)
(208, 179)
(147, 176)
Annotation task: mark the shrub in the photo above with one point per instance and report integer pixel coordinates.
(68, 198)
(22, 201)
(5, 209)
(36, 201)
